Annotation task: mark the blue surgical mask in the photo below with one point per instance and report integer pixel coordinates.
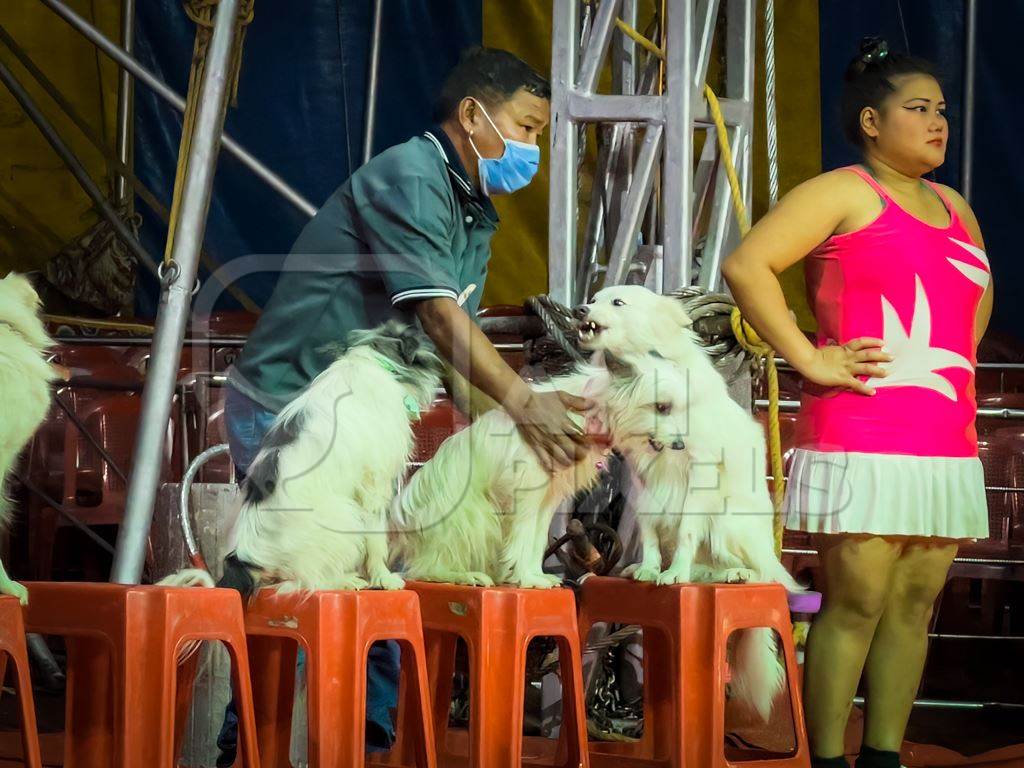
(513, 170)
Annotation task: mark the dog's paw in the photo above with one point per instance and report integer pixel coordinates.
(535, 581)
(737, 576)
(702, 574)
(14, 589)
(672, 577)
(349, 581)
(646, 573)
(386, 580)
(477, 579)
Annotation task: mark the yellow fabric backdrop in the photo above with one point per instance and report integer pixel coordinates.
(41, 205)
(519, 265)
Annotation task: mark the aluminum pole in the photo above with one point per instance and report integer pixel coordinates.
(175, 302)
(372, 82)
(125, 102)
(173, 98)
(970, 70)
(562, 205)
(74, 165)
(677, 159)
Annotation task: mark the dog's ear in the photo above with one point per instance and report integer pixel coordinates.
(619, 367)
(674, 311)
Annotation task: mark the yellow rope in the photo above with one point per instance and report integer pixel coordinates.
(730, 168)
(203, 13)
(752, 343)
(639, 39)
(745, 334)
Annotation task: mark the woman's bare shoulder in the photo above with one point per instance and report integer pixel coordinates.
(837, 189)
(963, 209)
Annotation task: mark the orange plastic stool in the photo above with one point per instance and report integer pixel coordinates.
(12, 644)
(124, 680)
(686, 629)
(497, 624)
(336, 630)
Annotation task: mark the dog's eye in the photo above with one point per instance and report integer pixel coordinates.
(663, 408)
(618, 303)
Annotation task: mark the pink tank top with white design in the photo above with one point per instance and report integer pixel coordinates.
(916, 286)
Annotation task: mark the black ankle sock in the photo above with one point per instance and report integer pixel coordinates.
(876, 758)
(829, 762)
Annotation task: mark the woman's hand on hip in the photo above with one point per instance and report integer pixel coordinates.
(839, 366)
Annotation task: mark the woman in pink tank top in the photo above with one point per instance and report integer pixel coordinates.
(886, 470)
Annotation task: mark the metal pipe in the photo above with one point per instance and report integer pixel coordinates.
(59, 508)
(970, 76)
(175, 302)
(90, 438)
(939, 704)
(77, 169)
(125, 102)
(615, 107)
(793, 406)
(562, 207)
(639, 195)
(597, 46)
(195, 555)
(707, 16)
(372, 81)
(967, 560)
(677, 159)
(172, 97)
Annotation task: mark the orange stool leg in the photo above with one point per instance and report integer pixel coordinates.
(336, 684)
(12, 644)
(272, 661)
(89, 703)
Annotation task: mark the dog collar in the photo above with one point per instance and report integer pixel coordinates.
(412, 407)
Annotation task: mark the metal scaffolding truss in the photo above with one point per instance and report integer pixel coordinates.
(657, 215)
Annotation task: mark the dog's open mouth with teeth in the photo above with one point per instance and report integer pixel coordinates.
(588, 330)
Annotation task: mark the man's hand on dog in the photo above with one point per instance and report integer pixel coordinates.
(839, 366)
(543, 421)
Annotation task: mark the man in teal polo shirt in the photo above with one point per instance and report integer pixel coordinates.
(408, 236)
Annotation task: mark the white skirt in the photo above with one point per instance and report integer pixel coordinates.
(886, 494)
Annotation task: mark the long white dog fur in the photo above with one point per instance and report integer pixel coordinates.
(318, 492)
(25, 377)
(479, 511)
(707, 510)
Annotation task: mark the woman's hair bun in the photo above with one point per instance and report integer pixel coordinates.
(872, 51)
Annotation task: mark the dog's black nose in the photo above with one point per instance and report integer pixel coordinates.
(581, 312)
(678, 445)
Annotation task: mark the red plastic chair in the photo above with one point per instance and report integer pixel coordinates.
(497, 624)
(91, 490)
(336, 629)
(435, 426)
(124, 682)
(686, 629)
(12, 645)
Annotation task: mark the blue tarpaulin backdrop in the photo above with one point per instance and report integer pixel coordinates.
(301, 103)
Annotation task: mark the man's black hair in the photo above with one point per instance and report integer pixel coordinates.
(491, 75)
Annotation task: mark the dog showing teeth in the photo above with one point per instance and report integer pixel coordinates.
(587, 330)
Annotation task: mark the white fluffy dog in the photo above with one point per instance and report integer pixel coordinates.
(25, 378)
(479, 511)
(317, 494)
(706, 510)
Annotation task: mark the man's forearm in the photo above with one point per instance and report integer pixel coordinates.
(461, 342)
